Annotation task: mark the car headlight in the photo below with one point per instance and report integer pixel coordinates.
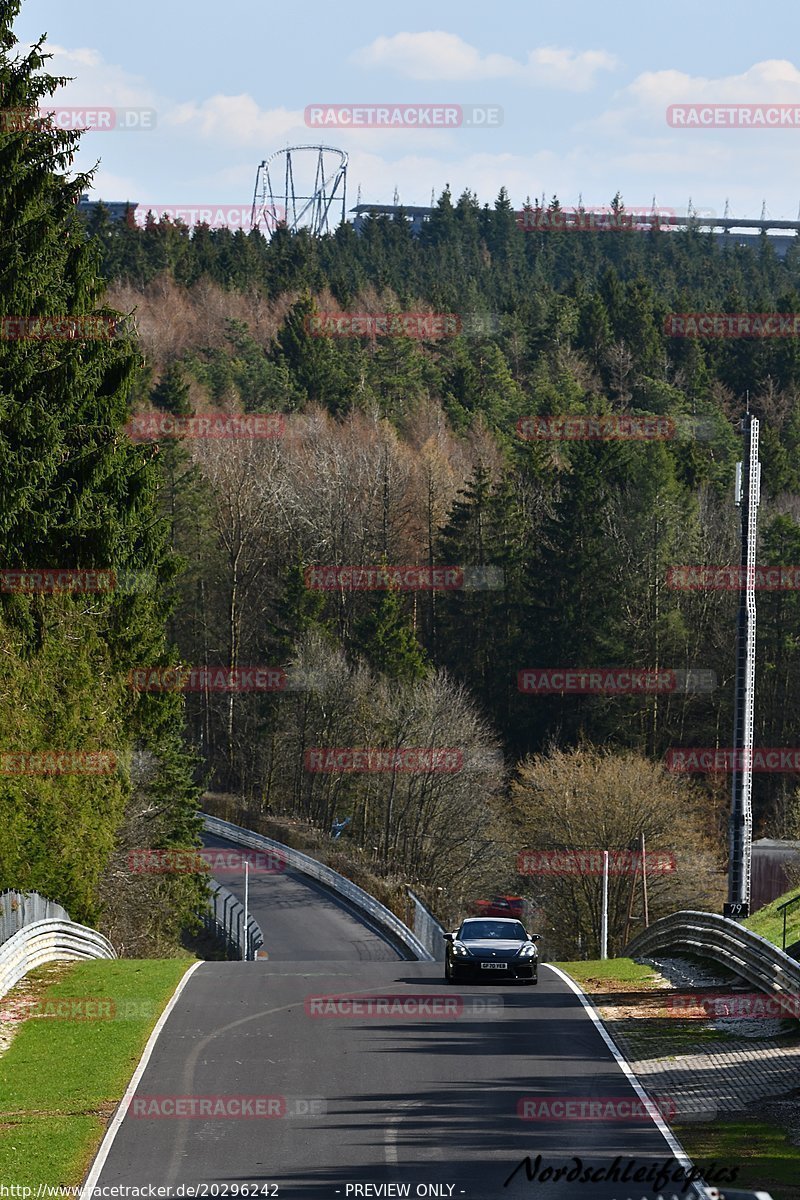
(460, 951)
(528, 952)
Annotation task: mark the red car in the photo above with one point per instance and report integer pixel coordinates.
(499, 906)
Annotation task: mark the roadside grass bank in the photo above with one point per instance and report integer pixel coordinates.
(768, 921)
(71, 1059)
(762, 1152)
(601, 975)
(632, 1000)
(763, 1140)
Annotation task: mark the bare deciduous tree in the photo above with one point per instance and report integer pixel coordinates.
(593, 800)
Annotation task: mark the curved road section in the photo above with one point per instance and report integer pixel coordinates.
(333, 1068)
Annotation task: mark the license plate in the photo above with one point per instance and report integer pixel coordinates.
(494, 966)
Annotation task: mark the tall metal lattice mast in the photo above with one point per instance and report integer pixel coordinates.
(748, 495)
(298, 187)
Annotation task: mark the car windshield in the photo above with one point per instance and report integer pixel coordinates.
(474, 931)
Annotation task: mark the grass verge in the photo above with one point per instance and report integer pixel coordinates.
(763, 1155)
(62, 1075)
(627, 996)
(610, 974)
(768, 921)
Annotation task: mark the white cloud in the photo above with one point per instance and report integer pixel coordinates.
(437, 55)
(551, 67)
(772, 80)
(434, 55)
(95, 83)
(645, 100)
(109, 186)
(237, 120)
(708, 164)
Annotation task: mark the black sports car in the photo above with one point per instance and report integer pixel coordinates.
(497, 948)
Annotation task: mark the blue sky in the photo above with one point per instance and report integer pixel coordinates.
(583, 87)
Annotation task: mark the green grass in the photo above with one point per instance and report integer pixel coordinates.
(762, 1153)
(61, 1078)
(769, 922)
(602, 975)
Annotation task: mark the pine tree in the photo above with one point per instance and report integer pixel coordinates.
(385, 638)
(171, 393)
(484, 629)
(74, 493)
(574, 589)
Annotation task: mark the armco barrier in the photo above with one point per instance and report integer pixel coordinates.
(378, 913)
(48, 941)
(725, 942)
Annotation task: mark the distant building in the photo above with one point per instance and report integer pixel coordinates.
(116, 209)
(773, 865)
(415, 214)
(728, 231)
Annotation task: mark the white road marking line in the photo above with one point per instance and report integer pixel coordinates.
(119, 1116)
(677, 1149)
(390, 1133)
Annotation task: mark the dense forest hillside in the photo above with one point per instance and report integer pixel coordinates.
(422, 450)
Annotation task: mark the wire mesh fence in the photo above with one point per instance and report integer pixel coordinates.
(224, 920)
(428, 929)
(18, 909)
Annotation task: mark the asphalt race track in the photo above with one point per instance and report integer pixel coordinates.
(301, 920)
(419, 1085)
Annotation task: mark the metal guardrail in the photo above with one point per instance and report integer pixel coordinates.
(225, 919)
(18, 909)
(361, 900)
(725, 942)
(428, 930)
(48, 941)
(784, 908)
